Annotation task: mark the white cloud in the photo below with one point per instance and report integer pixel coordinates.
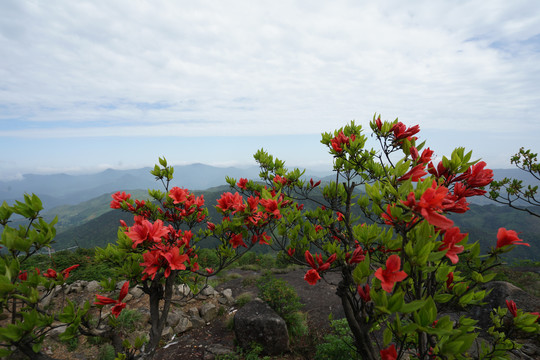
(184, 68)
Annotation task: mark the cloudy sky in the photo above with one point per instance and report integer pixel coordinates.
(88, 85)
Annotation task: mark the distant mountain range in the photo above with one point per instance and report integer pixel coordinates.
(85, 219)
(62, 189)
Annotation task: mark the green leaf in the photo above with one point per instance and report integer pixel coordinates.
(443, 298)
(387, 336)
(412, 306)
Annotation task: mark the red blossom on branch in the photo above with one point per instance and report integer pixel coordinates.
(511, 305)
(363, 291)
(451, 237)
(312, 276)
(402, 132)
(118, 198)
(508, 237)
(389, 353)
(242, 183)
(119, 305)
(391, 274)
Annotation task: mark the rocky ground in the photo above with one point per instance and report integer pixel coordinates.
(200, 328)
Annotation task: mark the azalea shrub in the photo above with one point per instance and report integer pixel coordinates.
(25, 318)
(161, 248)
(385, 226)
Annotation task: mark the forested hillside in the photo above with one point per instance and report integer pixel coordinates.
(93, 223)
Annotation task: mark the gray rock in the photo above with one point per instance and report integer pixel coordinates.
(500, 291)
(257, 322)
(182, 290)
(55, 332)
(193, 311)
(197, 321)
(173, 318)
(93, 286)
(120, 284)
(209, 312)
(167, 333)
(136, 292)
(214, 350)
(208, 291)
(228, 294)
(183, 325)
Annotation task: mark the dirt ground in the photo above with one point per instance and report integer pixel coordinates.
(319, 302)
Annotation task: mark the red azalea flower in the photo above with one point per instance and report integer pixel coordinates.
(426, 156)
(450, 280)
(229, 201)
(179, 195)
(378, 122)
(117, 309)
(452, 236)
(50, 273)
(391, 274)
(508, 237)
(23, 275)
(431, 205)
(511, 305)
(291, 251)
(389, 353)
(65, 273)
(314, 184)
(357, 256)
(211, 226)
(363, 291)
(118, 198)
(477, 176)
(209, 270)
(242, 183)
(271, 206)
(414, 174)
(312, 276)
(175, 259)
(236, 241)
(402, 132)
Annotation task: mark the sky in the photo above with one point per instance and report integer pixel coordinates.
(91, 85)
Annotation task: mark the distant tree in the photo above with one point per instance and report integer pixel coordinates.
(513, 192)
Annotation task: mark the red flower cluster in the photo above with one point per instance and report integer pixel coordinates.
(312, 276)
(431, 205)
(50, 273)
(119, 305)
(391, 274)
(402, 132)
(340, 140)
(118, 198)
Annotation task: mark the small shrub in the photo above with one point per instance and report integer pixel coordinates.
(72, 344)
(128, 320)
(243, 299)
(337, 345)
(107, 352)
(282, 297)
(250, 280)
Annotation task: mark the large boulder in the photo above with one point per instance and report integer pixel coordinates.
(257, 322)
(500, 291)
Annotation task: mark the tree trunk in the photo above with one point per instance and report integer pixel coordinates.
(358, 326)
